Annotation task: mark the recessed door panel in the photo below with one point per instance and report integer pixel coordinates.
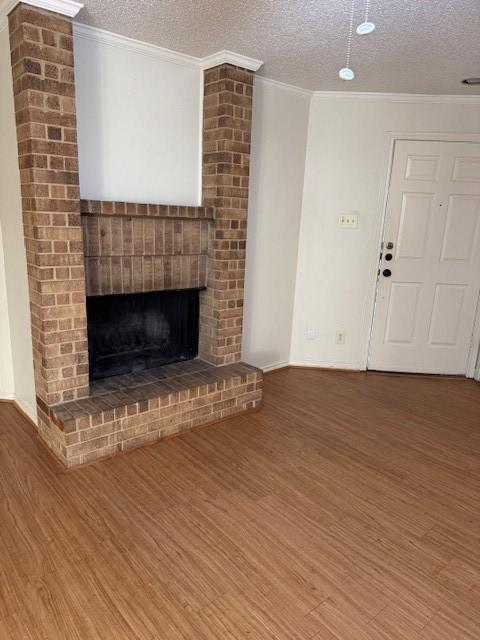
(402, 312)
(461, 227)
(422, 168)
(414, 222)
(446, 313)
(466, 170)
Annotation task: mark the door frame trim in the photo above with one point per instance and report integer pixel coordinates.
(391, 137)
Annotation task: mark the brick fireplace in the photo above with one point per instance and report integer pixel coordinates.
(76, 249)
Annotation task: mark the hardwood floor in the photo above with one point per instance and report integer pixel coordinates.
(348, 508)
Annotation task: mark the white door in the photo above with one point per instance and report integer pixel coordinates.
(425, 307)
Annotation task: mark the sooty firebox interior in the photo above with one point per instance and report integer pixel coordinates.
(130, 332)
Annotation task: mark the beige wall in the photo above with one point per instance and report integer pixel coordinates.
(346, 170)
(279, 135)
(14, 304)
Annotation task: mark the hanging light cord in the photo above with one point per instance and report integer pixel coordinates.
(367, 10)
(350, 34)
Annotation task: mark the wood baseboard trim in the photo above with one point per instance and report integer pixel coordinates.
(59, 464)
(24, 414)
(282, 368)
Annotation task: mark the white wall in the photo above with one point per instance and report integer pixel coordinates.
(15, 335)
(6, 364)
(138, 125)
(347, 156)
(279, 135)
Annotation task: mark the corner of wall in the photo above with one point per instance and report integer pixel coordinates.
(279, 139)
(15, 302)
(299, 234)
(7, 390)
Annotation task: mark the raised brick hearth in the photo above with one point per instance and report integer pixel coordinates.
(128, 411)
(83, 248)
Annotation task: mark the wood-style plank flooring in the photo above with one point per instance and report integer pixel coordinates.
(347, 508)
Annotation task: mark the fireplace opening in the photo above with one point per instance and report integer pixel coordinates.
(136, 331)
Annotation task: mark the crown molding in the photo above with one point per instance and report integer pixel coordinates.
(283, 85)
(230, 57)
(5, 7)
(137, 46)
(160, 53)
(396, 97)
(68, 8)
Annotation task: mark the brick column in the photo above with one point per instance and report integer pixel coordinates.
(227, 121)
(44, 89)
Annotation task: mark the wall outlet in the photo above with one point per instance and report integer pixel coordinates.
(340, 337)
(311, 333)
(348, 221)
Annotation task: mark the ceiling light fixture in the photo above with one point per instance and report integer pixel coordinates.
(471, 81)
(346, 73)
(366, 26)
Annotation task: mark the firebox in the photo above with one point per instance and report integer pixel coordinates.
(136, 331)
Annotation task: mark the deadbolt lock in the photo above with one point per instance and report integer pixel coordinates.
(389, 245)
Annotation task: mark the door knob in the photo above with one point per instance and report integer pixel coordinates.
(387, 273)
(388, 256)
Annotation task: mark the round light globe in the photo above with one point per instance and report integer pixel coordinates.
(365, 28)
(346, 74)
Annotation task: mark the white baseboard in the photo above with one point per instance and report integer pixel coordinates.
(314, 364)
(27, 408)
(276, 365)
(319, 364)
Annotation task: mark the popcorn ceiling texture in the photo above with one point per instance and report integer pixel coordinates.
(418, 47)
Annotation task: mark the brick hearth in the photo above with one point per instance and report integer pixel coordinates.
(128, 411)
(78, 248)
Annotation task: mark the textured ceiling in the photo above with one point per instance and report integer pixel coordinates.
(419, 46)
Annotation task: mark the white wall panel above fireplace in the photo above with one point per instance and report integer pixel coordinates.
(138, 124)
